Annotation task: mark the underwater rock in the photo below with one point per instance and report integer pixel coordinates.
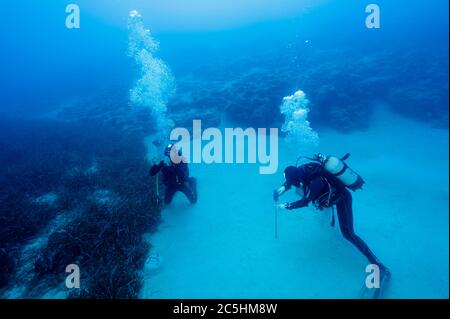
(422, 102)
(6, 267)
(253, 99)
(342, 85)
(196, 99)
(108, 108)
(104, 197)
(209, 117)
(93, 169)
(46, 199)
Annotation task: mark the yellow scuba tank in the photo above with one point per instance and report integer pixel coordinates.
(339, 169)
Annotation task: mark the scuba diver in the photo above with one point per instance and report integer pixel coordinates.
(325, 182)
(175, 177)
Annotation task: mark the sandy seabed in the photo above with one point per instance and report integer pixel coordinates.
(225, 245)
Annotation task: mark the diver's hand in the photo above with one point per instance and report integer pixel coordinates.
(282, 206)
(278, 192)
(287, 206)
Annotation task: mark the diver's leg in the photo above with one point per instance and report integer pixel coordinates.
(170, 191)
(186, 190)
(345, 216)
(193, 184)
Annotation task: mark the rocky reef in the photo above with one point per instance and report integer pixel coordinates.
(342, 84)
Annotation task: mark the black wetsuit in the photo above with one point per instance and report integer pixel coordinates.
(317, 184)
(176, 179)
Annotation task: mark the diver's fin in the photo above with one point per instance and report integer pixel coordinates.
(365, 293)
(384, 284)
(376, 293)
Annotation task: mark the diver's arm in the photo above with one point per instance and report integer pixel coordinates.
(298, 204)
(156, 168)
(280, 191)
(312, 192)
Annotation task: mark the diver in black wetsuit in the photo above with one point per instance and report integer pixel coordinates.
(324, 190)
(175, 178)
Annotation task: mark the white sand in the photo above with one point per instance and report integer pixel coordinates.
(225, 246)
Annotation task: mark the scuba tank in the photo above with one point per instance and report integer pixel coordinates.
(339, 169)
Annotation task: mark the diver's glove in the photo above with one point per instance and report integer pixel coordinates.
(283, 206)
(287, 206)
(278, 192)
(155, 168)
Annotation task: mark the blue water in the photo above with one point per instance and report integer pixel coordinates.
(80, 109)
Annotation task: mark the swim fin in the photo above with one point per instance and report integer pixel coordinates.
(384, 284)
(377, 293)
